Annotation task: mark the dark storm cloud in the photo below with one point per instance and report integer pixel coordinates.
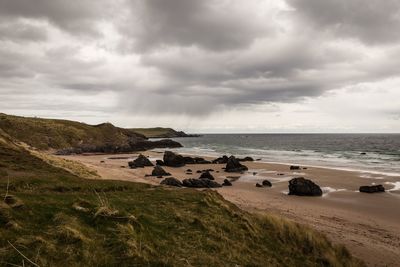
(372, 21)
(213, 25)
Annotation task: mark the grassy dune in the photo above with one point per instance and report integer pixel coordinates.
(55, 218)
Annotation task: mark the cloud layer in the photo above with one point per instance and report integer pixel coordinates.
(186, 63)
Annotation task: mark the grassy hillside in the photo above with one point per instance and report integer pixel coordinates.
(55, 218)
(159, 132)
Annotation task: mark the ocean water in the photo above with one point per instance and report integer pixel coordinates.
(341, 151)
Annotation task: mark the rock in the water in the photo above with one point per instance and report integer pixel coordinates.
(304, 187)
(159, 171)
(372, 188)
(200, 183)
(173, 160)
(233, 165)
(259, 185)
(246, 159)
(160, 162)
(226, 183)
(140, 162)
(206, 175)
(294, 168)
(171, 181)
(266, 183)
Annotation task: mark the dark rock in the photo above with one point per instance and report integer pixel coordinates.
(206, 175)
(159, 171)
(171, 181)
(259, 185)
(199, 171)
(363, 153)
(304, 187)
(188, 170)
(233, 165)
(102, 161)
(305, 168)
(140, 162)
(266, 183)
(294, 167)
(254, 173)
(280, 174)
(258, 159)
(173, 160)
(200, 183)
(189, 160)
(160, 176)
(221, 160)
(199, 160)
(160, 162)
(226, 183)
(246, 159)
(372, 188)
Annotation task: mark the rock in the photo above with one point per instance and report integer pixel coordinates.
(246, 159)
(189, 160)
(188, 170)
(102, 161)
(140, 162)
(233, 165)
(173, 160)
(226, 183)
(160, 162)
(198, 160)
(206, 175)
(171, 181)
(254, 173)
(294, 167)
(363, 153)
(304, 187)
(200, 183)
(266, 183)
(280, 174)
(199, 171)
(221, 160)
(258, 159)
(159, 171)
(258, 185)
(372, 188)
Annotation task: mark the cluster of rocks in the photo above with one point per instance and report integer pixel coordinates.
(224, 159)
(172, 159)
(200, 183)
(140, 162)
(264, 183)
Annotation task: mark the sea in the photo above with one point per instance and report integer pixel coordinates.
(372, 153)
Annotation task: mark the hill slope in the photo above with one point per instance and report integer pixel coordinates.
(160, 132)
(54, 218)
(76, 137)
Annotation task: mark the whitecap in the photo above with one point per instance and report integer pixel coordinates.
(395, 184)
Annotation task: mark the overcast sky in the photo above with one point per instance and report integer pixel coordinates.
(205, 66)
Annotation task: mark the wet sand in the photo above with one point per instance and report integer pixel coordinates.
(368, 224)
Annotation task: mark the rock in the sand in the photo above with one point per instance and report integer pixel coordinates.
(173, 160)
(200, 183)
(189, 160)
(266, 183)
(159, 171)
(198, 171)
(171, 181)
(226, 183)
(206, 175)
(304, 187)
(189, 170)
(259, 185)
(246, 159)
(293, 168)
(160, 162)
(140, 162)
(221, 160)
(233, 165)
(372, 188)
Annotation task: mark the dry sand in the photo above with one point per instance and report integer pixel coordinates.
(368, 224)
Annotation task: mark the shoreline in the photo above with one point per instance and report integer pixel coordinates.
(366, 223)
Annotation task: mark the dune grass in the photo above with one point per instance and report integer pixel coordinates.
(64, 220)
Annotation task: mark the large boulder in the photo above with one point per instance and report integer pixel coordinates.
(159, 171)
(173, 160)
(140, 162)
(206, 175)
(200, 183)
(266, 183)
(171, 181)
(221, 160)
(233, 165)
(160, 162)
(304, 187)
(372, 188)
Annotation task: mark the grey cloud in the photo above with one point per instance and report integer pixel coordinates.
(372, 21)
(20, 31)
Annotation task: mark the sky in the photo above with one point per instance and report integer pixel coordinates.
(215, 66)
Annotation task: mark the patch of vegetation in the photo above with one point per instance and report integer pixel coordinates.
(159, 132)
(64, 220)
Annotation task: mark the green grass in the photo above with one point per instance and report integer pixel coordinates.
(157, 132)
(69, 221)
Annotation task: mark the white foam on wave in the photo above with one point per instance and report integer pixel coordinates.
(326, 190)
(395, 184)
(368, 176)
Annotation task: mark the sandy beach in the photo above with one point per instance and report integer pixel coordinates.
(368, 224)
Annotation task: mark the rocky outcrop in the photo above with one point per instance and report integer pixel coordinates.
(173, 160)
(221, 160)
(246, 159)
(304, 187)
(140, 162)
(266, 183)
(171, 181)
(372, 188)
(200, 183)
(226, 183)
(233, 165)
(160, 162)
(206, 175)
(159, 171)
